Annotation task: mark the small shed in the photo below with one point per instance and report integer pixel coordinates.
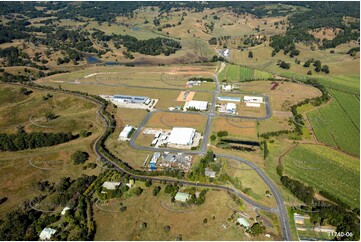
(243, 222)
(182, 197)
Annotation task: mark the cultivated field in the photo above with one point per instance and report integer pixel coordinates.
(325, 169)
(334, 127)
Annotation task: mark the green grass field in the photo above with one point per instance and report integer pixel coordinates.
(235, 73)
(333, 126)
(245, 73)
(350, 104)
(325, 169)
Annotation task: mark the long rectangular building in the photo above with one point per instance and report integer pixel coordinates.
(197, 105)
(131, 99)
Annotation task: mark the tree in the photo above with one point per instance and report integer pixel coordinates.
(79, 157)
(123, 208)
(250, 54)
(143, 225)
(317, 64)
(138, 191)
(325, 69)
(50, 116)
(25, 91)
(256, 229)
(148, 183)
(285, 65)
(309, 73)
(222, 133)
(156, 190)
(205, 221)
(213, 137)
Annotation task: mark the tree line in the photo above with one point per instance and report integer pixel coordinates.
(23, 140)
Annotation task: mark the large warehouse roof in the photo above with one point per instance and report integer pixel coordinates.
(199, 105)
(182, 136)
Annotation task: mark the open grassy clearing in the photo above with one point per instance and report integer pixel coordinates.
(333, 126)
(30, 111)
(168, 120)
(126, 225)
(275, 123)
(236, 128)
(284, 96)
(340, 63)
(249, 179)
(325, 169)
(236, 73)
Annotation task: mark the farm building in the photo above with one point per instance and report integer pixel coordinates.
(131, 99)
(47, 233)
(253, 99)
(225, 98)
(182, 136)
(243, 222)
(231, 107)
(182, 197)
(227, 88)
(208, 172)
(197, 105)
(124, 135)
(111, 185)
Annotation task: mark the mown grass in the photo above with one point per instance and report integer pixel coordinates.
(325, 169)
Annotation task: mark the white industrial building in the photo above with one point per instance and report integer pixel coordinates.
(182, 136)
(124, 135)
(131, 99)
(253, 99)
(111, 185)
(231, 107)
(197, 105)
(46, 234)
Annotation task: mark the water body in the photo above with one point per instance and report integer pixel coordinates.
(92, 60)
(241, 142)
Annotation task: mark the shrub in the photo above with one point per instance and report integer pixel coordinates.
(79, 157)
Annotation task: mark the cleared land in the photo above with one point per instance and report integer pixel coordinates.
(29, 111)
(168, 120)
(325, 169)
(20, 171)
(185, 222)
(236, 128)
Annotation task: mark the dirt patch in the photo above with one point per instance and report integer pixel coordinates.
(185, 96)
(325, 33)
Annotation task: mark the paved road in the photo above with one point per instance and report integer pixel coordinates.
(280, 210)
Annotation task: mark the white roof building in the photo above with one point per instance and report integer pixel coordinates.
(253, 99)
(181, 136)
(47, 233)
(111, 185)
(231, 107)
(182, 197)
(125, 132)
(198, 105)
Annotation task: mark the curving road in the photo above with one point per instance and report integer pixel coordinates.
(280, 210)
